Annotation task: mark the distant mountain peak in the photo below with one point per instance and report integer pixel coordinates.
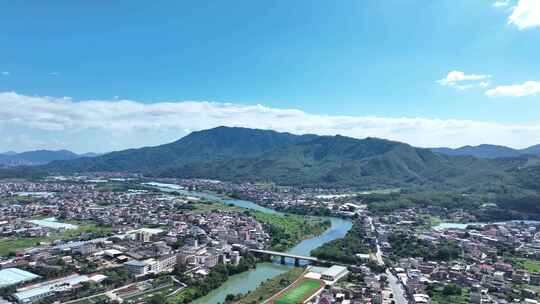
(36, 157)
(488, 151)
(534, 150)
(199, 146)
(9, 153)
(242, 154)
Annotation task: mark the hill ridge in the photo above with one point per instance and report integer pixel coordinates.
(254, 155)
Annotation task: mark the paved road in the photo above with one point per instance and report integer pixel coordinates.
(393, 283)
(397, 288)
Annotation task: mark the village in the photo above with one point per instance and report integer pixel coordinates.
(118, 238)
(66, 241)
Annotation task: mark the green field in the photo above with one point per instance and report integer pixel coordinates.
(529, 265)
(298, 293)
(440, 298)
(11, 244)
(270, 287)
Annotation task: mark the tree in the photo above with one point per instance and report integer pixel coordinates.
(157, 299)
(451, 290)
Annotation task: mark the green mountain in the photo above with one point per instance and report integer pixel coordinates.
(240, 154)
(488, 151)
(38, 157)
(339, 160)
(533, 150)
(220, 143)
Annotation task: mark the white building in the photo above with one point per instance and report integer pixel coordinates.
(333, 274)
(140, 268)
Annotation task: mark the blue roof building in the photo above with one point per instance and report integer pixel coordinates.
(13, 276)
(49, 288)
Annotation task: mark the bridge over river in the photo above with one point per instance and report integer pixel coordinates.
(283, 255)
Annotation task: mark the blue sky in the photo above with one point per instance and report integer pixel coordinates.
(342, 61)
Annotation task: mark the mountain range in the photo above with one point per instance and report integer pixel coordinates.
(38, 157)
(240, 154)
(489, 151)
(221, 143)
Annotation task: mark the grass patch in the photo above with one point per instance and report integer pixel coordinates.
(145, 295)
(11, 244)
(183, 296)
(300, 292)
(529, 265)
(270, 287)
(428, 222)
(440, 296)
(434, 220)
(203, 207)
(288, 230)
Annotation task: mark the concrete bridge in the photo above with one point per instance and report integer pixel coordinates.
(284, 255)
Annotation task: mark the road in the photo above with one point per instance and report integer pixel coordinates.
(396, 287)
(393, 282)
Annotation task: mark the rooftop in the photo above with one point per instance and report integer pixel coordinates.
(335, 270)
(24, 295)
(12, 276)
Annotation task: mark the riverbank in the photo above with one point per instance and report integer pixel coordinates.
(267, 289)
(286, 230)
(215, 278)
(289, 227)
(245, 282)
(345, 250)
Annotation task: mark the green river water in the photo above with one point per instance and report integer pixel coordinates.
(249, 280)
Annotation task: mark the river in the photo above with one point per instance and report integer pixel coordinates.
(249, 280)
(209, 196)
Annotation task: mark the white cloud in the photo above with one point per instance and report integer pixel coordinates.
(31, 122)
(528, 88)
(457, 76)
(5, 73)
(54, 74)
(501, 3)
(463, 87)
(525, 14)
(462, 81)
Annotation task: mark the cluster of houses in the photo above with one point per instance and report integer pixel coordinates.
(149, 233)
(152, 232)
(488, 266)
